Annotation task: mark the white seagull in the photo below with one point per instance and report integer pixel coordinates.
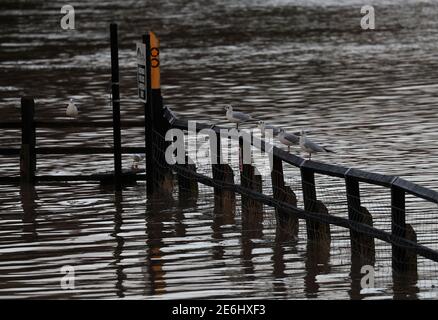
(310, 146)
(72, 110)
(136, 158)
(288, 139)
(263, 127)
(237, 116)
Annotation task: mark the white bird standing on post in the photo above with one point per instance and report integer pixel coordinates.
(310, 146)
(288, 139)
(72, 110)
(263, 126)
(236, 116)
(136, 158)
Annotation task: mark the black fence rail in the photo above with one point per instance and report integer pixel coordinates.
(29, 151)
(315, 166)
(400, 237)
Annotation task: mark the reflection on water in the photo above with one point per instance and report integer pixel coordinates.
(371, 96)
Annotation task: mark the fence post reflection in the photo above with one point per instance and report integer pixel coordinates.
(120, 241)
(28, 195)
(154, 230)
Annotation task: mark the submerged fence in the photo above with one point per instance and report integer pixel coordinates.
(303, 196)
(359, 220)
(29, 151)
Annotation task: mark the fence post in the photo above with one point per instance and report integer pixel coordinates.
(27, 153)
(354, 209)
(148, 116)
(287, 224)
(162, 174)
(362, 246)
(240, 157)
(248, 177)
(309, 196)
(245, 174)
(315, 230)
(187, 185)
(222, 172)
(353, 197)
(116, 106)
(153, 55)
(216, 157)
(277, 177)
(398, 227)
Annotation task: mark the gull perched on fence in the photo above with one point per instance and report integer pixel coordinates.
(310, 146)
(288, 139)
(136, 158)
(72, 110)
(263, 127)
(237, 116)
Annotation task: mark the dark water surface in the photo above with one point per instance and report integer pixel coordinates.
(372, 96)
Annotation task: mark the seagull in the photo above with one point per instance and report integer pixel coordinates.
(236, 116)
(288, 139)
(310, 146)
(136, 158)
(72, 110)
(263, 126)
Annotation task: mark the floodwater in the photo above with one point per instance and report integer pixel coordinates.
(371, 96)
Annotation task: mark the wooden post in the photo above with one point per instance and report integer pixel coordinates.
(398, 227)
(287, 224)
(27, 153)
(411, 256)
(222, 172)
(216, 157)
(353, 197)
(362, 246)
(161, 174)
(148, 115)
(153, 55)
(253, 181)
(315, 230)
(309, 196)
(116, 107)
(248, 177)
(252, 210)
(241, 157)
(277, 177)
(187, 186)
(243, 173)
(354, 210)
